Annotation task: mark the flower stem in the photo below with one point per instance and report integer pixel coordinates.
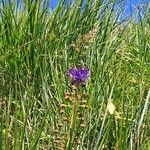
(72, 128)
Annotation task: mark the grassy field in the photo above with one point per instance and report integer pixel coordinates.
(40, 109)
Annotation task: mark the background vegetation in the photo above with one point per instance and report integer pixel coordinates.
(38, 46)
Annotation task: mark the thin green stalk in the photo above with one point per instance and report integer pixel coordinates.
(72, 128)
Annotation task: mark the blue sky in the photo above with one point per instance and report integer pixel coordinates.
(130, 3)
(54, 3)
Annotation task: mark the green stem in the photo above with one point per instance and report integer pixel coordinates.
(71, 133)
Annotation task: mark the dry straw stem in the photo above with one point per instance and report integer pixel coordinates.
(85, 40)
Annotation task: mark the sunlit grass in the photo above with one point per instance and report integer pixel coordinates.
(38, 46)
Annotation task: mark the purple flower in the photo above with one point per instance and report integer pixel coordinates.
(78, 75)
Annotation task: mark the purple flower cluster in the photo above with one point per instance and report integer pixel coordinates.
(78, 75)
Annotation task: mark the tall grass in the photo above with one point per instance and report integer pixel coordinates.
(38, 46)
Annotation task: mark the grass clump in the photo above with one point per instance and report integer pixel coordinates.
(38, 46)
